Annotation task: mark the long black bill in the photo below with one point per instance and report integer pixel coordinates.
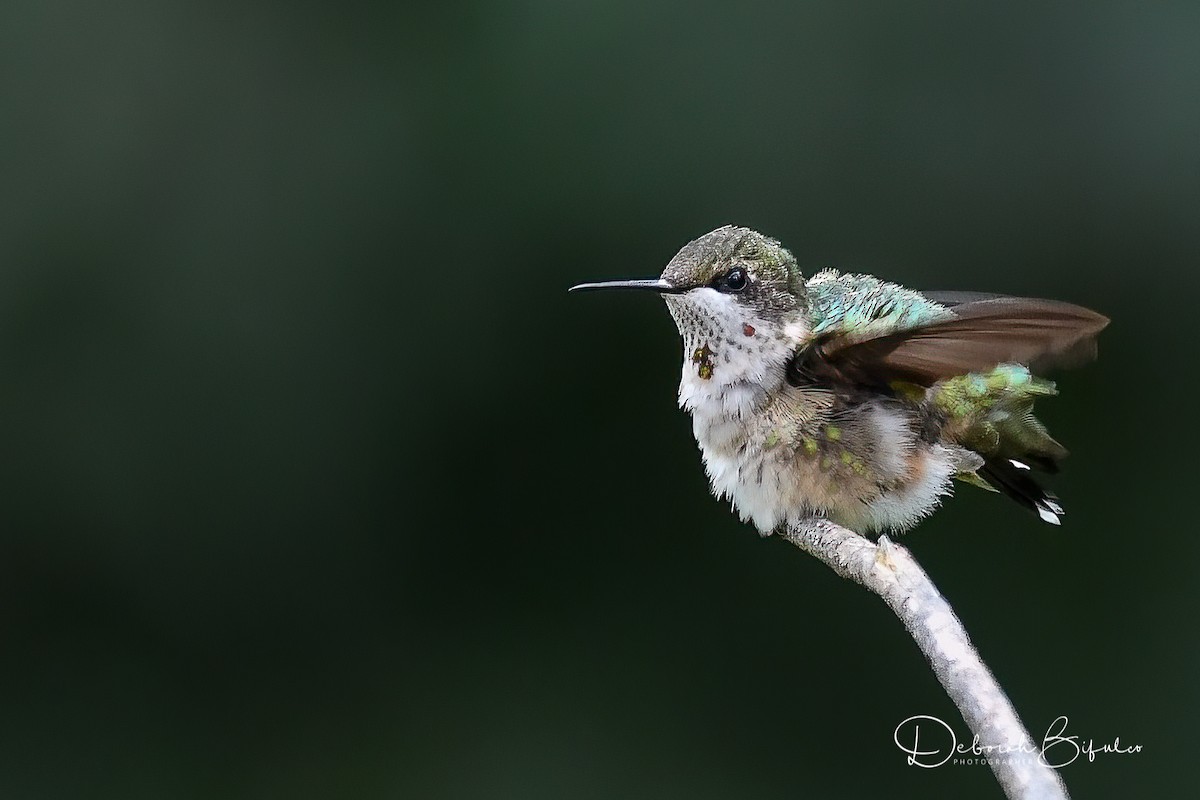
(656, 285)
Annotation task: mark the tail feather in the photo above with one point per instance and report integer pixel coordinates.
(1042, 463)
(992, 415)
(1012, 477)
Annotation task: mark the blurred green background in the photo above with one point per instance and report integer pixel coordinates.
(316, 483)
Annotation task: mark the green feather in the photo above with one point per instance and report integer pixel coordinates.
(992, 412)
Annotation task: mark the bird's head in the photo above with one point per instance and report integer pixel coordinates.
(738, 300)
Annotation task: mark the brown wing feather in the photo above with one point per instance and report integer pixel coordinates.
(986, 332)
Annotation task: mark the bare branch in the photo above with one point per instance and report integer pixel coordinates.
(890, 571)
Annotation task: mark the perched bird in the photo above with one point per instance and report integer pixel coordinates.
(848, 398)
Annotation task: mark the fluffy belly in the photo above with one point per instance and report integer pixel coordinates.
(889, 485)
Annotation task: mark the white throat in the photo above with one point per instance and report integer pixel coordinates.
(733, 360)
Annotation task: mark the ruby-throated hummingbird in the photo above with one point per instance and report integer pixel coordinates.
(848, 398)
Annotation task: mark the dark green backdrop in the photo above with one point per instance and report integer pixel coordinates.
(315, 482)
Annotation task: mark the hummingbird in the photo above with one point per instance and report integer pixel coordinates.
(851, 399)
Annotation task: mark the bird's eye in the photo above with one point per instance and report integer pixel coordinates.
(734, 281)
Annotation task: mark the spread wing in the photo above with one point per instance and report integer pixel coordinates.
(985, 330)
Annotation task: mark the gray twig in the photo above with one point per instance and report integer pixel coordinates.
(890, 571)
